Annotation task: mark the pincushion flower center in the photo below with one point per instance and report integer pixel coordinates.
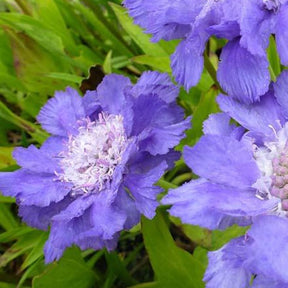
(272, 5)
(279, 185)
(91, 156)
(272, 161)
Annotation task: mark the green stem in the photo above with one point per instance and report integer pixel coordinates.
(182, 178)
(165, 184)
(272, 74)
(212, 71)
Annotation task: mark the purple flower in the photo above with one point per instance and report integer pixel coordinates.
(242, 73)
(260, 19)
(261, 254)
(95, 175)
(243, 179)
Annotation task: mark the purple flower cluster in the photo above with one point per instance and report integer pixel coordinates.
(95, 175)
(243, 179)
(246, 24)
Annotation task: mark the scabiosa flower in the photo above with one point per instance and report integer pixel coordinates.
(242, 74)
(95, 175)
(243, 179)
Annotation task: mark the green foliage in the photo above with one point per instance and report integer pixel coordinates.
(173, 266)
(71, 271)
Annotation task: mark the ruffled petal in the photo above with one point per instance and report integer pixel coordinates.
(266, 251)
(87, 219)
(30, 188)
(126, 203)
(98, 243)
(143, 190)
(158, 126)
(242, 75)
(142, 162)
(159, 140)
(160, 84)
(106, 220)
(148, 109)
(32, 159)
(40, 190)
(111, 95)
(226, 270)
(228, 30)
(43, 160)
(164, 19)
(260, 118)
(77, 208)
(219, 124)
(40, 217)
(223, 160)
(256, 26)
(187, 62)
(10, 182)
(91, 104)
(61, 113)
(260, 252)
(65, 233)
(281, 92)
(281, 34)
(215, 206)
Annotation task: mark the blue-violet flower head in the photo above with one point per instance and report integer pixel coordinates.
(243, 174)
(247, 25)
(95, 175)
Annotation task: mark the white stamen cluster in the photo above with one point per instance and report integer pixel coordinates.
(272, 161)
(92, 155)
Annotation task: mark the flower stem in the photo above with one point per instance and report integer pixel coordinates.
(165, 184)
(212, 71)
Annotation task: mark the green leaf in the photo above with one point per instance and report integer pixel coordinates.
(9, 285)
(50, 15)
(65, 77)
(159, 63)
(6, 158)
(105, 33)
(208, 239)
(10, 81)
(71, 272)
(205, 107)
(4, 199)
(148, 285)
(22, 245)
(118, 268)
(6, 56)
(34, 29)
(173, 266)
(136, 33)
(274, 60)
(7, 219)
(219, 238)
(198, 235)
(34, 269)
(30, 128)
(107, 65)
(32, 62)
(36, 252)
(15, 234)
